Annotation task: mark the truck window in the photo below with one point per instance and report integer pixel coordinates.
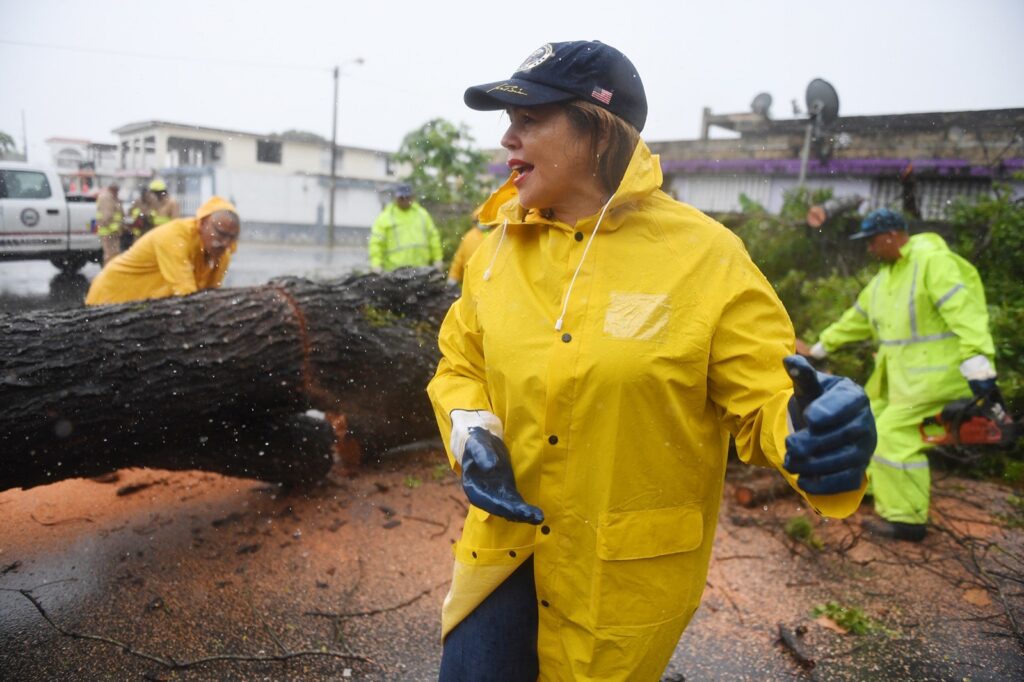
(15, 184)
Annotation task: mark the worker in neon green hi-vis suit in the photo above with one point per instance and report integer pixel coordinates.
(926, 311)
(404, 235)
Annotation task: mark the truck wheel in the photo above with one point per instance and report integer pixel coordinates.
(68, 264)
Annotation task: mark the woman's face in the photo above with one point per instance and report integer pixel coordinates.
(555, 163)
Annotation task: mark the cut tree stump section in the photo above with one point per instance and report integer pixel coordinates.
(220, 380)
(753, 492)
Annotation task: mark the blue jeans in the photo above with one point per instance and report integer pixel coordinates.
(498, 640)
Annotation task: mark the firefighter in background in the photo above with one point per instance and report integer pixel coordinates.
(925, 309)
(404, 235)
(109, 215)
(165, 207)
(140, 214)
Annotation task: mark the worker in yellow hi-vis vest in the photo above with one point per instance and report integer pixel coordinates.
(926, 311)
(404, 235)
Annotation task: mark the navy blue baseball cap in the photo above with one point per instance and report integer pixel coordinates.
(403, 190)
(558, 72)
(880, 221)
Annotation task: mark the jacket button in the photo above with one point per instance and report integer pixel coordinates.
(544, 603)
(567, 337)
(512, 553)
(553, 440)
(545, 530)
(579, 236)
(474, 555)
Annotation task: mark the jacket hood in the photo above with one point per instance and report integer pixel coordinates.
(214, 204)
(926, 241)
(642, 177)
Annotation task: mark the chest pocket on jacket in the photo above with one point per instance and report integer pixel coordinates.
(638, 317)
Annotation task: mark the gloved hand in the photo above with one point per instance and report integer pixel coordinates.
(834, 430)
(487, 475)
(983, 387)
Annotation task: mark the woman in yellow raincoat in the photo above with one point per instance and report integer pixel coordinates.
(608, 342)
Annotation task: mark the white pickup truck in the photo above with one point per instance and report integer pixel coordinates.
(38, 222)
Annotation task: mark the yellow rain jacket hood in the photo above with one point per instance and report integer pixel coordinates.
(166, 261)
(618, 423)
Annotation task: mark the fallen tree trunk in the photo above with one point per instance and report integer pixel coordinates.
(152, 383)
(755, 492)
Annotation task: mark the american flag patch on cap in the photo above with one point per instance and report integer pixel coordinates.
(602, 95)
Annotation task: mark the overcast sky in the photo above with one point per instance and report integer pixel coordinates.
(81, 69)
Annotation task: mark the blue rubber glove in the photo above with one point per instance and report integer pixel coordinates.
(476, 444)
(488, 481)
(982, 387)
(835, 431)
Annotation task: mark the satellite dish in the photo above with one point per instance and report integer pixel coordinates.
(822, 101)
(822, 109)
(761, 104)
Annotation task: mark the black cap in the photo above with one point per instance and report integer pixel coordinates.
(558, 72)
(403, 190)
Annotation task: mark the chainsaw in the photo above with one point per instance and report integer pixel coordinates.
(972, 421)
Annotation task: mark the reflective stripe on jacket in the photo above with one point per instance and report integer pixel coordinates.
(618, 424)
(401, 238)
(927, 314)
(108, 214)
(165, 211)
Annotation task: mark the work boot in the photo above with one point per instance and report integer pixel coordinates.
(894, 530)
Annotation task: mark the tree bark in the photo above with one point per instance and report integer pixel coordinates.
(205, 381)
(755, 492)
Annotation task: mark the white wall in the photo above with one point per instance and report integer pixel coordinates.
(721, 193)
(295, 199)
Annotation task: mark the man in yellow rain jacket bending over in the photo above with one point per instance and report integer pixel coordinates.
(926, 311)
(176, 259)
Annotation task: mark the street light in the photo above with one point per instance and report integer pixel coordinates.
(334, 152)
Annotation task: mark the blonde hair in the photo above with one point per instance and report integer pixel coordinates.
(601, 126)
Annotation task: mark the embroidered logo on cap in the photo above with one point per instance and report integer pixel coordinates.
(509, 88)
(537, 57)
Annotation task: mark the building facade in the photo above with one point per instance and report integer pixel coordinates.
(936, 157)
(84, 166)
(281, 184)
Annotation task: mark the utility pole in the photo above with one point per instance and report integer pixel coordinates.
(334, 160)
(24, 137)
(334, 153)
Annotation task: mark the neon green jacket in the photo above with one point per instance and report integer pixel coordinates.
(927, 314)
(618, 424)
(399, 238)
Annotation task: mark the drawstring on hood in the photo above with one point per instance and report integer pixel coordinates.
(572, 282)
(568, 293)
(504, 230)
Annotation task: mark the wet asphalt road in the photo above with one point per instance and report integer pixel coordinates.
(28, 285)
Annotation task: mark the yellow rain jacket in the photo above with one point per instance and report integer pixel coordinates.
(618, 424)
(471, 241)
(166, 261)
